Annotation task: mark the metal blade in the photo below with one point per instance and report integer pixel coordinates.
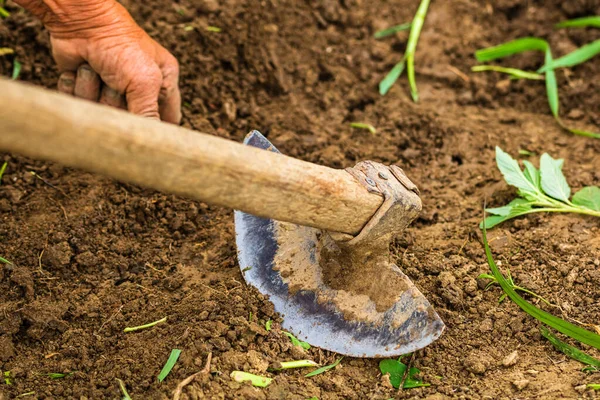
(311, 310)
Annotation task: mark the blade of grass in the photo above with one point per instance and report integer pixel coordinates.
(124, 390)
(256, 380)
(569, 350)
(294, 364)
(149, 325)
(517, 73)
(593, 386)
(2, 169)
(392, 76)
(575, 57)
(391, 30)
(5, 261)
(511, 48)
(573, 331)
(58, 375)
(583, 22)
(169, 365)
(411, 47)
(4, 13)
(324, 369)
(363, 125)
(16, 70)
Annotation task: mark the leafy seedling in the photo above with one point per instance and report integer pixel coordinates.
(123, 390)
(569, 350)
(255, 380)
(173, 357)
(146, 326)
(534, 44)
(565, 327)
(543, 190)
(268, 325)
(513, 72)
(297, 342)
(362, 125)
(583, 22)
(392, 30)
(16, 70)
(510, 281)
(7, 378)
(409, 57)
(278, 366)
(324, 369)
(399, 377)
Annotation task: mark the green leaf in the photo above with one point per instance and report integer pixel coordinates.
(532, 174)
(2, 169)
(268, 325)
(16, 70)
(363, 125)
(583, 22)
(508, 209)
(551, 85)
(4, 13)
(511, 48)
(255, 380)
(169, 365)
(323, 369)
(123, 390)
(554, 183)
(5, 261)
(392, 30)
(411, 47)
(412, 382)
(593, 386)
(297, 342)
(392, 76)
(588, 197)
(396, 370)
(571, 351)
(513, 72)
(58, 375)
(573, 331)
(575, 57)
(512, 172)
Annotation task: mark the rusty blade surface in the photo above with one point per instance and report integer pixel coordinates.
(315, 308)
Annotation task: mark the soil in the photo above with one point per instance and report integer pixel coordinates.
(92, 256)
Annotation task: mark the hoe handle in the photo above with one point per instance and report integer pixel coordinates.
(46, 125)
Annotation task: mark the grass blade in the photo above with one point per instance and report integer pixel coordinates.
(565, 327)
(16, 70)
(511, 48)
(324, 369)
(169, 365)
(411, 47)
(551, 85)
(149, 325)
(569, 350)
(124, 390)
(363, 125)
(513, 72)
(4, 13)
(583, 22)
(575, 57)
(256, 380)
(294, 364)
(392, 76)
(392, 30)
(5, 261)
(2, 169)
(296, 342)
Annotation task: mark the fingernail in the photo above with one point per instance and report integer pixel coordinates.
(113, 94)
(86, 72)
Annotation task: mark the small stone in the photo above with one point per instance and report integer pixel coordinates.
(476, 364)
(486, 325)
(207, 6)
(446, 278)
(385, 381)
(271, 28)
(521, 384)
(580, 388)
(511, 359)
(575, 113)
(471, 287)
(503, 86)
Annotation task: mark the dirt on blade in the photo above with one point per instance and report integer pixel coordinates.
(97, 256)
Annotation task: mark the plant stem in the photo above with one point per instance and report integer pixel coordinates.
(150, 325)
(411, 47)
(295, 364)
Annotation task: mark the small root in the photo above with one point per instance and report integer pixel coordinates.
(179, 389)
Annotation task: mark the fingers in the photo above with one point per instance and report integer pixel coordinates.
(170, 98)
(111, 97)
(87, 84)
(66, 83)
(144, 88)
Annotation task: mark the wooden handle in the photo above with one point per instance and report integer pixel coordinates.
(47, 125)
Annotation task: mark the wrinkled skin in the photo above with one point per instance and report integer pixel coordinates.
(105, 56)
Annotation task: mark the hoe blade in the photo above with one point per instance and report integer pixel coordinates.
(311, 311)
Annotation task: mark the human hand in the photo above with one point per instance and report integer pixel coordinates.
(105, 56)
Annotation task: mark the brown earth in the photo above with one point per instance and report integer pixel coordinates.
(92, 256)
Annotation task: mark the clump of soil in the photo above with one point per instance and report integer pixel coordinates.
(95, 255)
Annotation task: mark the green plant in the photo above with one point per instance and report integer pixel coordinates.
(513, 72)
(401, 375)
(362, 125)
(7, 378)
(533, 44)
(543, 190)
(593, 386)
(565, 327)
(16, 70)
(510, 281)
(255, 380)
(149, 325)
(124, 390)
(297, 342)
(5, 261)
(408, 59)
(2, 169)
(392, 30)
(324, 369)
(293, 364)
(569, 350)
(58, 375)
(583, 22)
(3, 12)
(268, 325)
(173, 357)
